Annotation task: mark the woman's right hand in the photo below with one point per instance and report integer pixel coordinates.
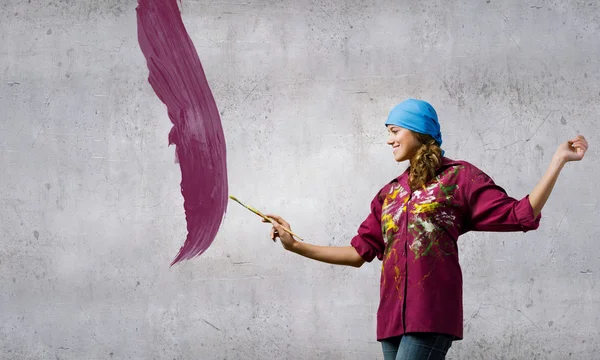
(277, 231)
(340, 255)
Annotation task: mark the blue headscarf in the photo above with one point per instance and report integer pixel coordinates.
(418, 116)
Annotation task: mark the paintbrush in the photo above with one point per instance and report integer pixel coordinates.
(263, 216)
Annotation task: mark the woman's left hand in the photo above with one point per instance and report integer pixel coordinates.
(572, 150)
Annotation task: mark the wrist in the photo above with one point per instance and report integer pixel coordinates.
(557, 162)
(294, 247)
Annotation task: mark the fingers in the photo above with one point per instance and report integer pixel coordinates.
(278, 219)
(274, 217)
(579, 147)
(580, 144)
(278, 223)
(277, 227)
(579, 139)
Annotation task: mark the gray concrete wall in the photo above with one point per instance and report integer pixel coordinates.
(91, 213)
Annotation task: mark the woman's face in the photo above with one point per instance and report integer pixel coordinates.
(403, 141)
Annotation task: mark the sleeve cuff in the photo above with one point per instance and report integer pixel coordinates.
(524, 213)
(364, 249)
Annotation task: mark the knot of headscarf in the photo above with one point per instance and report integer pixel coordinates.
(418, 116)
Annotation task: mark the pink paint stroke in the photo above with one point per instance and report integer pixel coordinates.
(177, 77)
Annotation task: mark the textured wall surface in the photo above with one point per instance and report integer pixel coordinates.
(91, 213)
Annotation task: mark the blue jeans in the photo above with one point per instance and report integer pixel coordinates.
(422, 346)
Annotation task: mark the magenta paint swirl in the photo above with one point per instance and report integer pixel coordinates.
(178, 79)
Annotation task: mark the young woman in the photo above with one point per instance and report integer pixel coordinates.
(414, 225)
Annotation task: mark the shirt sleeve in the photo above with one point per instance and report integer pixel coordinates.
(369, 240)
(491, 209)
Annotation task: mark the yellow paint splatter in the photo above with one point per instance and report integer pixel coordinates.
(389, 255)
(425, 208)
(397, 278)
(388, 223)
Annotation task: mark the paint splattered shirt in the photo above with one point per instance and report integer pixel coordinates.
(415, 235)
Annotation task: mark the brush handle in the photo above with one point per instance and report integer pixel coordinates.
(264, 216)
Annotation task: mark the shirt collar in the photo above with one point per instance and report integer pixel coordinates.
(446, 163)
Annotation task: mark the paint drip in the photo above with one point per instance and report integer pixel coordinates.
(178, 79)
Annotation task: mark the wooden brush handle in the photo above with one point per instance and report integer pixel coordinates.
(264, 216)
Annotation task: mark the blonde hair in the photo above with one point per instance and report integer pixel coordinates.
(424, 162)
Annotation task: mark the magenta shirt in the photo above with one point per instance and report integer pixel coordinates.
(415, 235)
